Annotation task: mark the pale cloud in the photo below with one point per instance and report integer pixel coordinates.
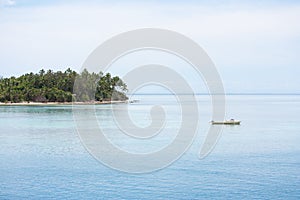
(7, 2)
(234, 36)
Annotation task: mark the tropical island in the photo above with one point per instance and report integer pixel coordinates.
(58, 87)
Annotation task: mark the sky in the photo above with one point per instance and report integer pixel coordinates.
(255, 45)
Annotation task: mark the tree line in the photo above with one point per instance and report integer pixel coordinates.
(59, 86)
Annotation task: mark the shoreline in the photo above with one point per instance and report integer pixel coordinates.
(31, 103)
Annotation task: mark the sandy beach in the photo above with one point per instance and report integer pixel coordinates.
(60, 103)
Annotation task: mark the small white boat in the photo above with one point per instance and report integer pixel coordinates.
(227, 122)
(134, 101)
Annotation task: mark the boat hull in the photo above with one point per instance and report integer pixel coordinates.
(226, 123)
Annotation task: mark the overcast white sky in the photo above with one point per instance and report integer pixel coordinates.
(254, 44)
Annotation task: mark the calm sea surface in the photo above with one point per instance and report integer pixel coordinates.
(41, 156)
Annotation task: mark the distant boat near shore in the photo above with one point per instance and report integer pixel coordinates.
(134, 101)
(227, 122)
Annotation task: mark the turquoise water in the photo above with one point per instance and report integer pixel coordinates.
(41, 156)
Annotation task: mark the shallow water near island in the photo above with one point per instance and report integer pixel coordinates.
(41, 156)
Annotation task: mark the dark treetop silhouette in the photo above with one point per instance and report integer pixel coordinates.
(58, 86)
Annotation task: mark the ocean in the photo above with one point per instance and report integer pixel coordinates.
(41, 156)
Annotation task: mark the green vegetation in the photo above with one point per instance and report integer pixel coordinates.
(58, 87)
